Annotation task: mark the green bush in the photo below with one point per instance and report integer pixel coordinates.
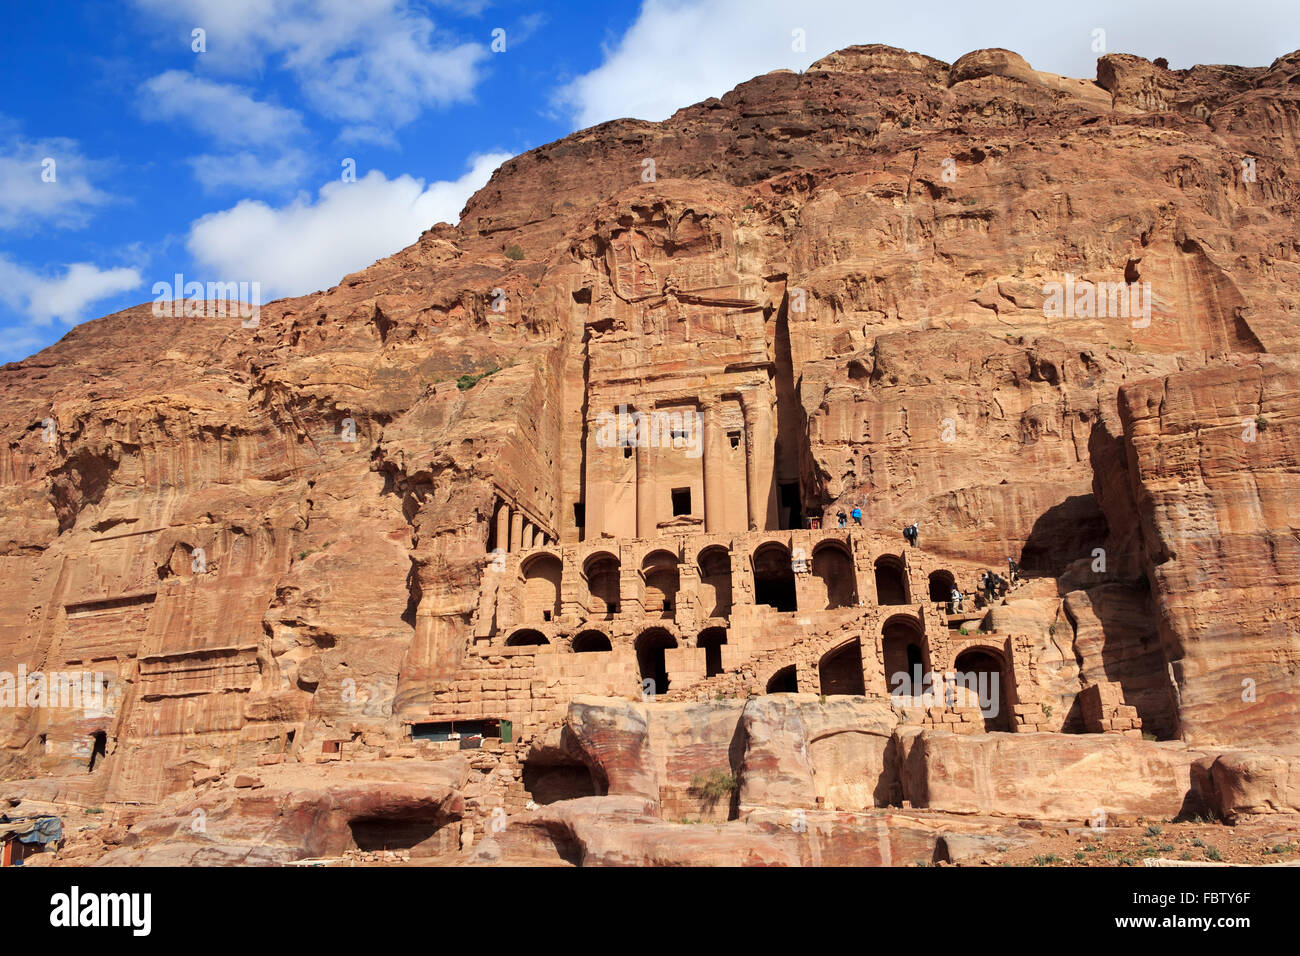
(514, 252)
(714, 785)
(469, 380)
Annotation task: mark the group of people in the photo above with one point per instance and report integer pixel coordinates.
(856, 514)
(991, 585)
(994, 585)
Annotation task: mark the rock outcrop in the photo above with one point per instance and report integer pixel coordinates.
(404, 522)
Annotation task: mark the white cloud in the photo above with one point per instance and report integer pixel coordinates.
(219, 110)
(677, 52)
(367, 63)
(250, 171)
(226, 113)
(309, 245)
(42, 298)
(28, 201)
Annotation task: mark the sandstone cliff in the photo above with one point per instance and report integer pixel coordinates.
(275, 545)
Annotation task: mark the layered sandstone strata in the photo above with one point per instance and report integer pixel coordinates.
(404, 510)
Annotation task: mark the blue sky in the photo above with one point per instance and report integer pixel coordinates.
(226, 164)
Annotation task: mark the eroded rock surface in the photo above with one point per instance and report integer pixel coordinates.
(1045, 318)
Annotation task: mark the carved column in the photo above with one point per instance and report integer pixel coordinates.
(645, 501)
(529, 532)
(760, 450)
(631, 585)
(516, 529)
(715, 489)
(573, 587)
(503, 526)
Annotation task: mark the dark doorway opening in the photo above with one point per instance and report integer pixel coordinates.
(840, 671)
(681, 501)
(891, 588)
(712, 639)
(550, 783)
(98, 748)
(984, 678)
(774, 578)
(834, 566)
(386, 834)
(650, 648)
(784, 681)
(590, 642)
(526, 638)
(791, 513)
(905, 667)
(941, 585)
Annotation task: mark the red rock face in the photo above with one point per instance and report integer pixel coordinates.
(1213, 464)
(1045, 318)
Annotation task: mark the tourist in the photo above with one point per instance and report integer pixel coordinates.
(857, 514)
(843, 518)
(1013, 572)
(954, 601)
(986, 582)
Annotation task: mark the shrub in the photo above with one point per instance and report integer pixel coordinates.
(1154, 830)
(514, 252)
(469, 380)
(714, 785)
(1212, 853)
